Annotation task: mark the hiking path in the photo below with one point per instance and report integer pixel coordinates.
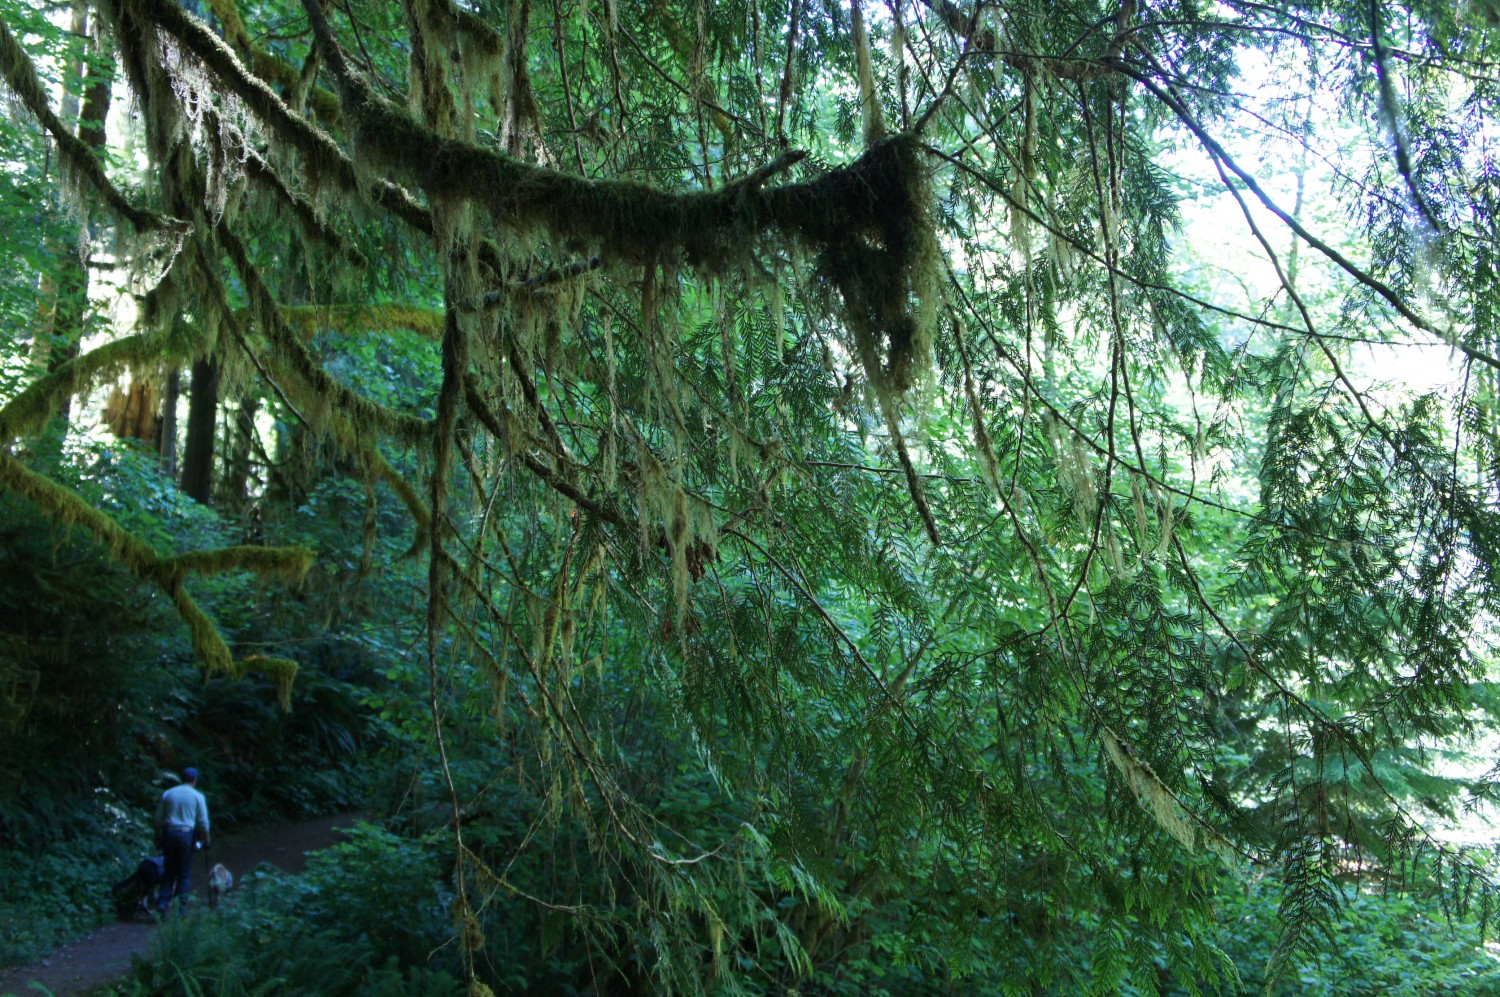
(104, 955)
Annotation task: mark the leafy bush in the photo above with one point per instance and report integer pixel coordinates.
(243, 954)
(46, 900)
(365, 918)
(377, 886)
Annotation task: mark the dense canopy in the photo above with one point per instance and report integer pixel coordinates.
(1029, 466)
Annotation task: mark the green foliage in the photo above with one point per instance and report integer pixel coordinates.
(203, 956)
(377, 886)
(50, 897)
(366, 918)
(1377, 943)
(931, 562)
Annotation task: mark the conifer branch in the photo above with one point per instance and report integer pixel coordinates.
(20, 76)
(1396, 301)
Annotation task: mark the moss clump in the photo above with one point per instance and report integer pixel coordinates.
(282, 672)
(870, 229)
(309, 319)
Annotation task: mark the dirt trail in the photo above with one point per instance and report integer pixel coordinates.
(105, 955)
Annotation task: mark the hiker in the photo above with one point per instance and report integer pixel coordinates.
(181, 822)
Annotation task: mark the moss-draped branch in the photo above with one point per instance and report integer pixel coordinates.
(288, 564)
(30, 409)
(867, 222)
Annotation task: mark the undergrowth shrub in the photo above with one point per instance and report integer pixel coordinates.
(377, 886)
(46, 900)
(367, 917)
(209, 954)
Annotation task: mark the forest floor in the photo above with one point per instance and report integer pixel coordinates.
(103, 956)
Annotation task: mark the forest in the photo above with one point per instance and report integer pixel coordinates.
(758, 497)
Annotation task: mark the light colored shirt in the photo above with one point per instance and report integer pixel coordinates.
(182, 806)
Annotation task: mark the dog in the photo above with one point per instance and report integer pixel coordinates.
(132, 895)
(220, 882)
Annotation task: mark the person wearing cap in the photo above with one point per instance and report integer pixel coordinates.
(181, 819)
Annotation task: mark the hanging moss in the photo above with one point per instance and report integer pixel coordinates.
(282, 672)
(208, 645)
(1161, 803)
(322, 158)
(315, 229)
(20, 76)
(867, 224)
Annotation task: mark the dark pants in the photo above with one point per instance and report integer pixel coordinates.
(177, 877)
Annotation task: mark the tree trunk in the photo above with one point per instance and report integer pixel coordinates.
(198, 453)
(236, 487)
(64, 315)
(166, 429)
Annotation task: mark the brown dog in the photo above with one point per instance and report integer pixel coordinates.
(220, 882)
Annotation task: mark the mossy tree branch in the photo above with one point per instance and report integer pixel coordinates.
(308, 320)
(867, 222)
(267, 65)
(288, 564)
(320, 153)
(291, 354)
(30, 409)
(20, 77)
